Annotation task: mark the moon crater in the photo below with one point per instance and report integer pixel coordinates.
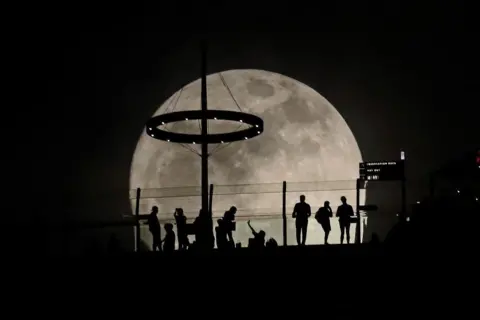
(260, 88)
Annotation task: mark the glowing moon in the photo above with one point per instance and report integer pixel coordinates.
(305, 139)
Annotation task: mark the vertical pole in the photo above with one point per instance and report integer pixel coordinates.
(210, 200)
(404, 200)
(210, 204)
(284, 212)
(204, 128)
(357, 232)
(404, 194)
(137, 221)
(204, 135)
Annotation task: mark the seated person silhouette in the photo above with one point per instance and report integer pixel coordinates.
(221, 235)
(344, 214)
(181, 222)
(154, 228)
(169, 241)
(258, 240)
(301, 213)
(229, 222)
(323, 216)
(271, 243)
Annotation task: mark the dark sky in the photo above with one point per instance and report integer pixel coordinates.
(91, 76)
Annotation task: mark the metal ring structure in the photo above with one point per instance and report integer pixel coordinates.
(153, 130)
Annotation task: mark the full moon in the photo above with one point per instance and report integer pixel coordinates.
(306, 142)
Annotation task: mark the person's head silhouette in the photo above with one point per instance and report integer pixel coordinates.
(168, 227)
(233, 209)
(302, 198)
(261, 234)
(180, 211)
(271, 243)
(343, 199)
(326, 204)
(220, 222)
(154, 210)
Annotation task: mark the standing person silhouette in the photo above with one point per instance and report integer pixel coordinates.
(204, 239)
(221, 235)
(344, 214)
(323, 216)
(301, 213)
(154, 228)
(169, 241)
(181, 222)
(229, 223)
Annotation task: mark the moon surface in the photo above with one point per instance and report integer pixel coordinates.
(305, 142)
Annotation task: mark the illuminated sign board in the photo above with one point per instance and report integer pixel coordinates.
(382, 170)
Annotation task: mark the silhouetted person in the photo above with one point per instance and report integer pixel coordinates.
(229, 222)
(169, 241)
(271, 243)
(258, 240)
(301, 213)
(344, 214)
(154, 228)
(221, 235)
(323, 217)
(181, 222)
(203, 231)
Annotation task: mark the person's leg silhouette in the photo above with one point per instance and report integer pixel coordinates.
(156, 242)
(299, 230)
(304, 234)
(347, 230)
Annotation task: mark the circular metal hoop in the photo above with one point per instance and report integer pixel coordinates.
(255, 122)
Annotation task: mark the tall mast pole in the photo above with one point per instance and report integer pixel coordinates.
(204, 131)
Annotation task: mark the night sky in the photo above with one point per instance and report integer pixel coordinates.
(92, 76)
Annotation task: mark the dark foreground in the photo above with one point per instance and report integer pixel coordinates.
(346, 281)
(318, 262)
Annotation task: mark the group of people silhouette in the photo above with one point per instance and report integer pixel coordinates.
(302, 211)
(169, 240)
(204, 238)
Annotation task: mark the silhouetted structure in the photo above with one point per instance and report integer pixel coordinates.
(344, 213)
(323, 216)
(436, 220)
(154, 228)
(301, 213)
